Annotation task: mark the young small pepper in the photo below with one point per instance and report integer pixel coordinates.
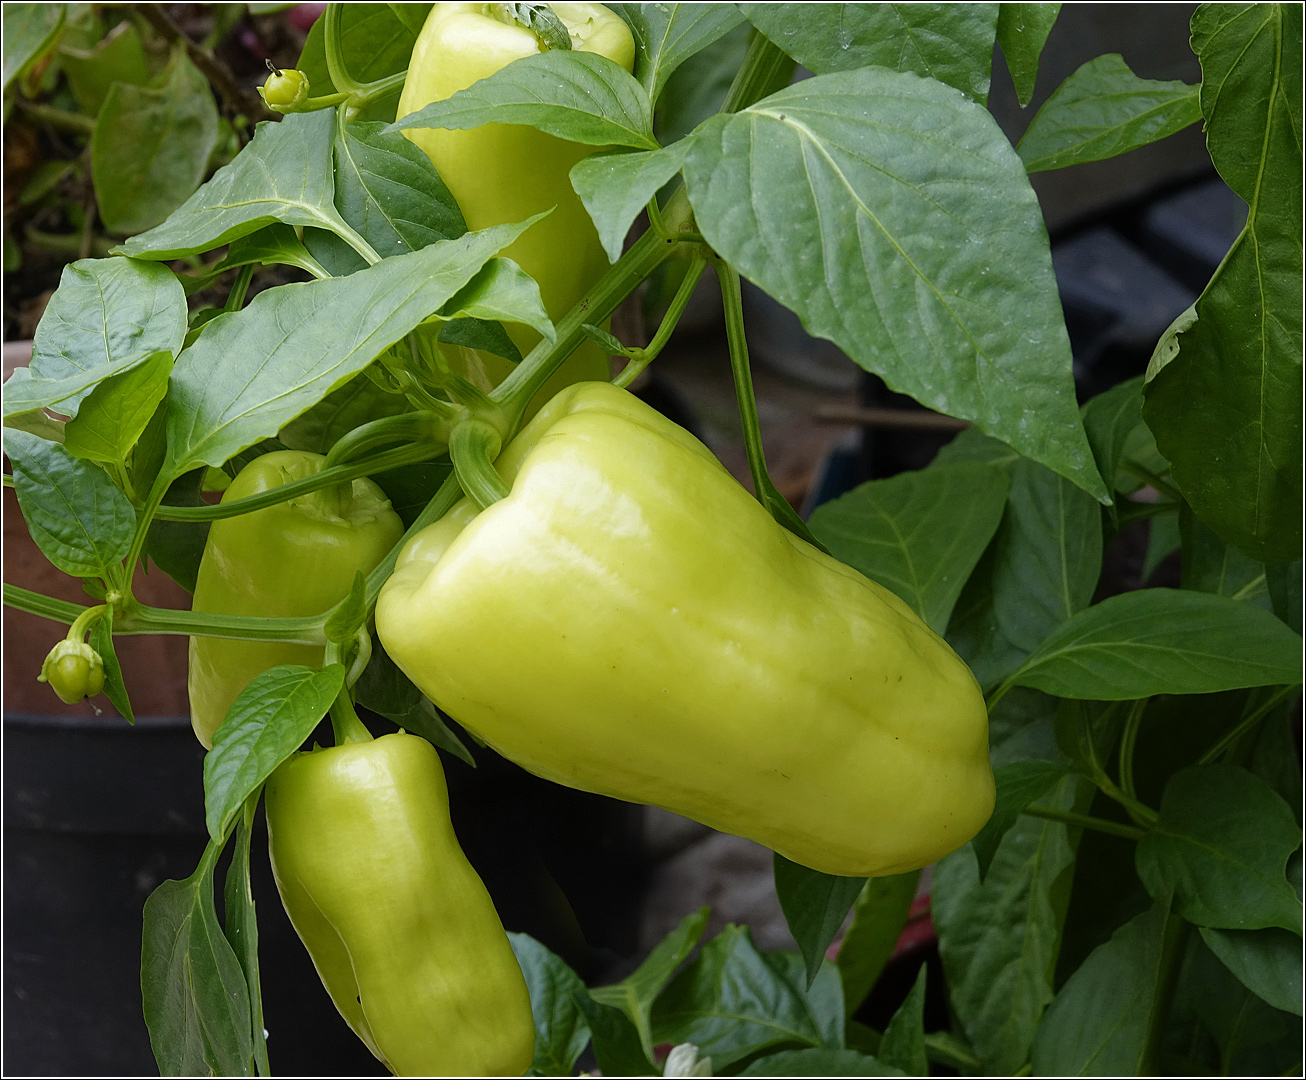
(400, 928)
(630, 621)
(502, 173)
(295, 558)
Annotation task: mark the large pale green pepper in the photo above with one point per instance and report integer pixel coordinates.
(630, 621)
(506, 173)
(295, 558)
(400, 927)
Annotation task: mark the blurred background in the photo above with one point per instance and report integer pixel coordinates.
(124, 115)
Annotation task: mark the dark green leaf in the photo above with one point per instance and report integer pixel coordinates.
(484, 334)
(385, 689)
(1100, 1021)
(999, 939)
(911, 239)
(1222, 845)
(79, 520)
(879, 914)
(1110, 419)
(1163, 539)
(29, 30)
(1018, 784)
(241, 930)
(1225, 404)
(698, 88)
(1284, 581)
(272, 244)
(578, 96)
(1211, 565)
(193, 990)
(1163, 641)
(114, 414)
(118, 57)
(919, 534)
(268, 721)
(1268, 962)
(952, 43)
(617, 1047)
(974, 632)
(616, 187)
(151, 147)
(561, 1032)
(819, 1063)
(1104, 110)
(666, 35)
(352, 405)
(814, 906)
(410, 487)
(1022, 32)
(635, 994)
(283, 175)
(903, 1044)
(101, 640)
(254, 370)
(731, 1003)
(824, 996)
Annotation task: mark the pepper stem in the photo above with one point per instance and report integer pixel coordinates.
(345, 723)
(473, 446)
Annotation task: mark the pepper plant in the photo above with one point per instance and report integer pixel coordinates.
(1133, 904)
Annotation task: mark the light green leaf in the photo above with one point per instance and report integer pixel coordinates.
(29, 29)
(112, 417)
(666, 35)
(616, 187)
(561, 1033)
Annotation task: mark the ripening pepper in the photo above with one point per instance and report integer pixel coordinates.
(295, 558)
(400, 928)
(503, 173)
(630, 621)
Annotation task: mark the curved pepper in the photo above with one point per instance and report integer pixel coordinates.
(294, 558)
(501, 173)
(630, 621)
(400, 928)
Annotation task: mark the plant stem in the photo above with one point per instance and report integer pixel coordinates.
(766, 69)
(77, 123)
(1243, 726)
(335, 61)
(345, 723)
(337, 474)
(767, 494)
(414, 427)
(236, 298)
(1127, 739)
(1084, 821)
(441, 503)
(649, 353)
(1167, 489)
(473, 446)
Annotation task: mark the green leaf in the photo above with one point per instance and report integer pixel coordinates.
(502, 290)
(1163, 641)
(731, 1003)
(284, 174)
(1022, 32)
(101, 640)
(1284, 581)
(973, 630)
(698, 88)
(79, 520)
(617, 1047)
(1211, 565)
(1110, 419)
(892, 216)
(268, 721)
(386, 690)
(561, 1033)
(819, 1063)
(824, 996)
(118, 57)
(952, 43)
(903, 1044)
(376, 40)
(879, 914)
(151, 147)
(1018, 784)
(814, 906)
(616, 187)
(635, 994)
(1100, 1021)
(113, 416)
(29, 30)
(193, 990)
(666, 35)
(107, 316)
(1222, 844)
(999, 939)
(578, 96)
(272, 244)
(1104, 110)
(919, 534)
(1163, 538)
(241, 930)
(254, 370)
(1268, 962)
(484, 334)
(1226, 409)
(342, 410)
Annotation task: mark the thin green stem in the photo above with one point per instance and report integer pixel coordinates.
(85, 621)
(77, 123)
(141, 619)
(335, 61)
(1084, 821)
(473, 446)
(766, 69)
(1244, 725)
(645, 356)
(1129, 512)
(441, 503)
(1174, 943)
(1127, 739)
(948, 1051)
(767, 493)
(45, 607)
(236, 298)
(413, 427)
(345, 723)
(1252, 588)
(337, 474)
(1164, 487)
(144, 518)
(369, 92)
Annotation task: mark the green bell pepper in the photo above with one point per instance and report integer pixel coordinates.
(295, 558)
(630, 621)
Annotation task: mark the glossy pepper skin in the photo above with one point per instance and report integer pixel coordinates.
(400, 928)
(630, 621)
(294, 558)
(502, 173)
